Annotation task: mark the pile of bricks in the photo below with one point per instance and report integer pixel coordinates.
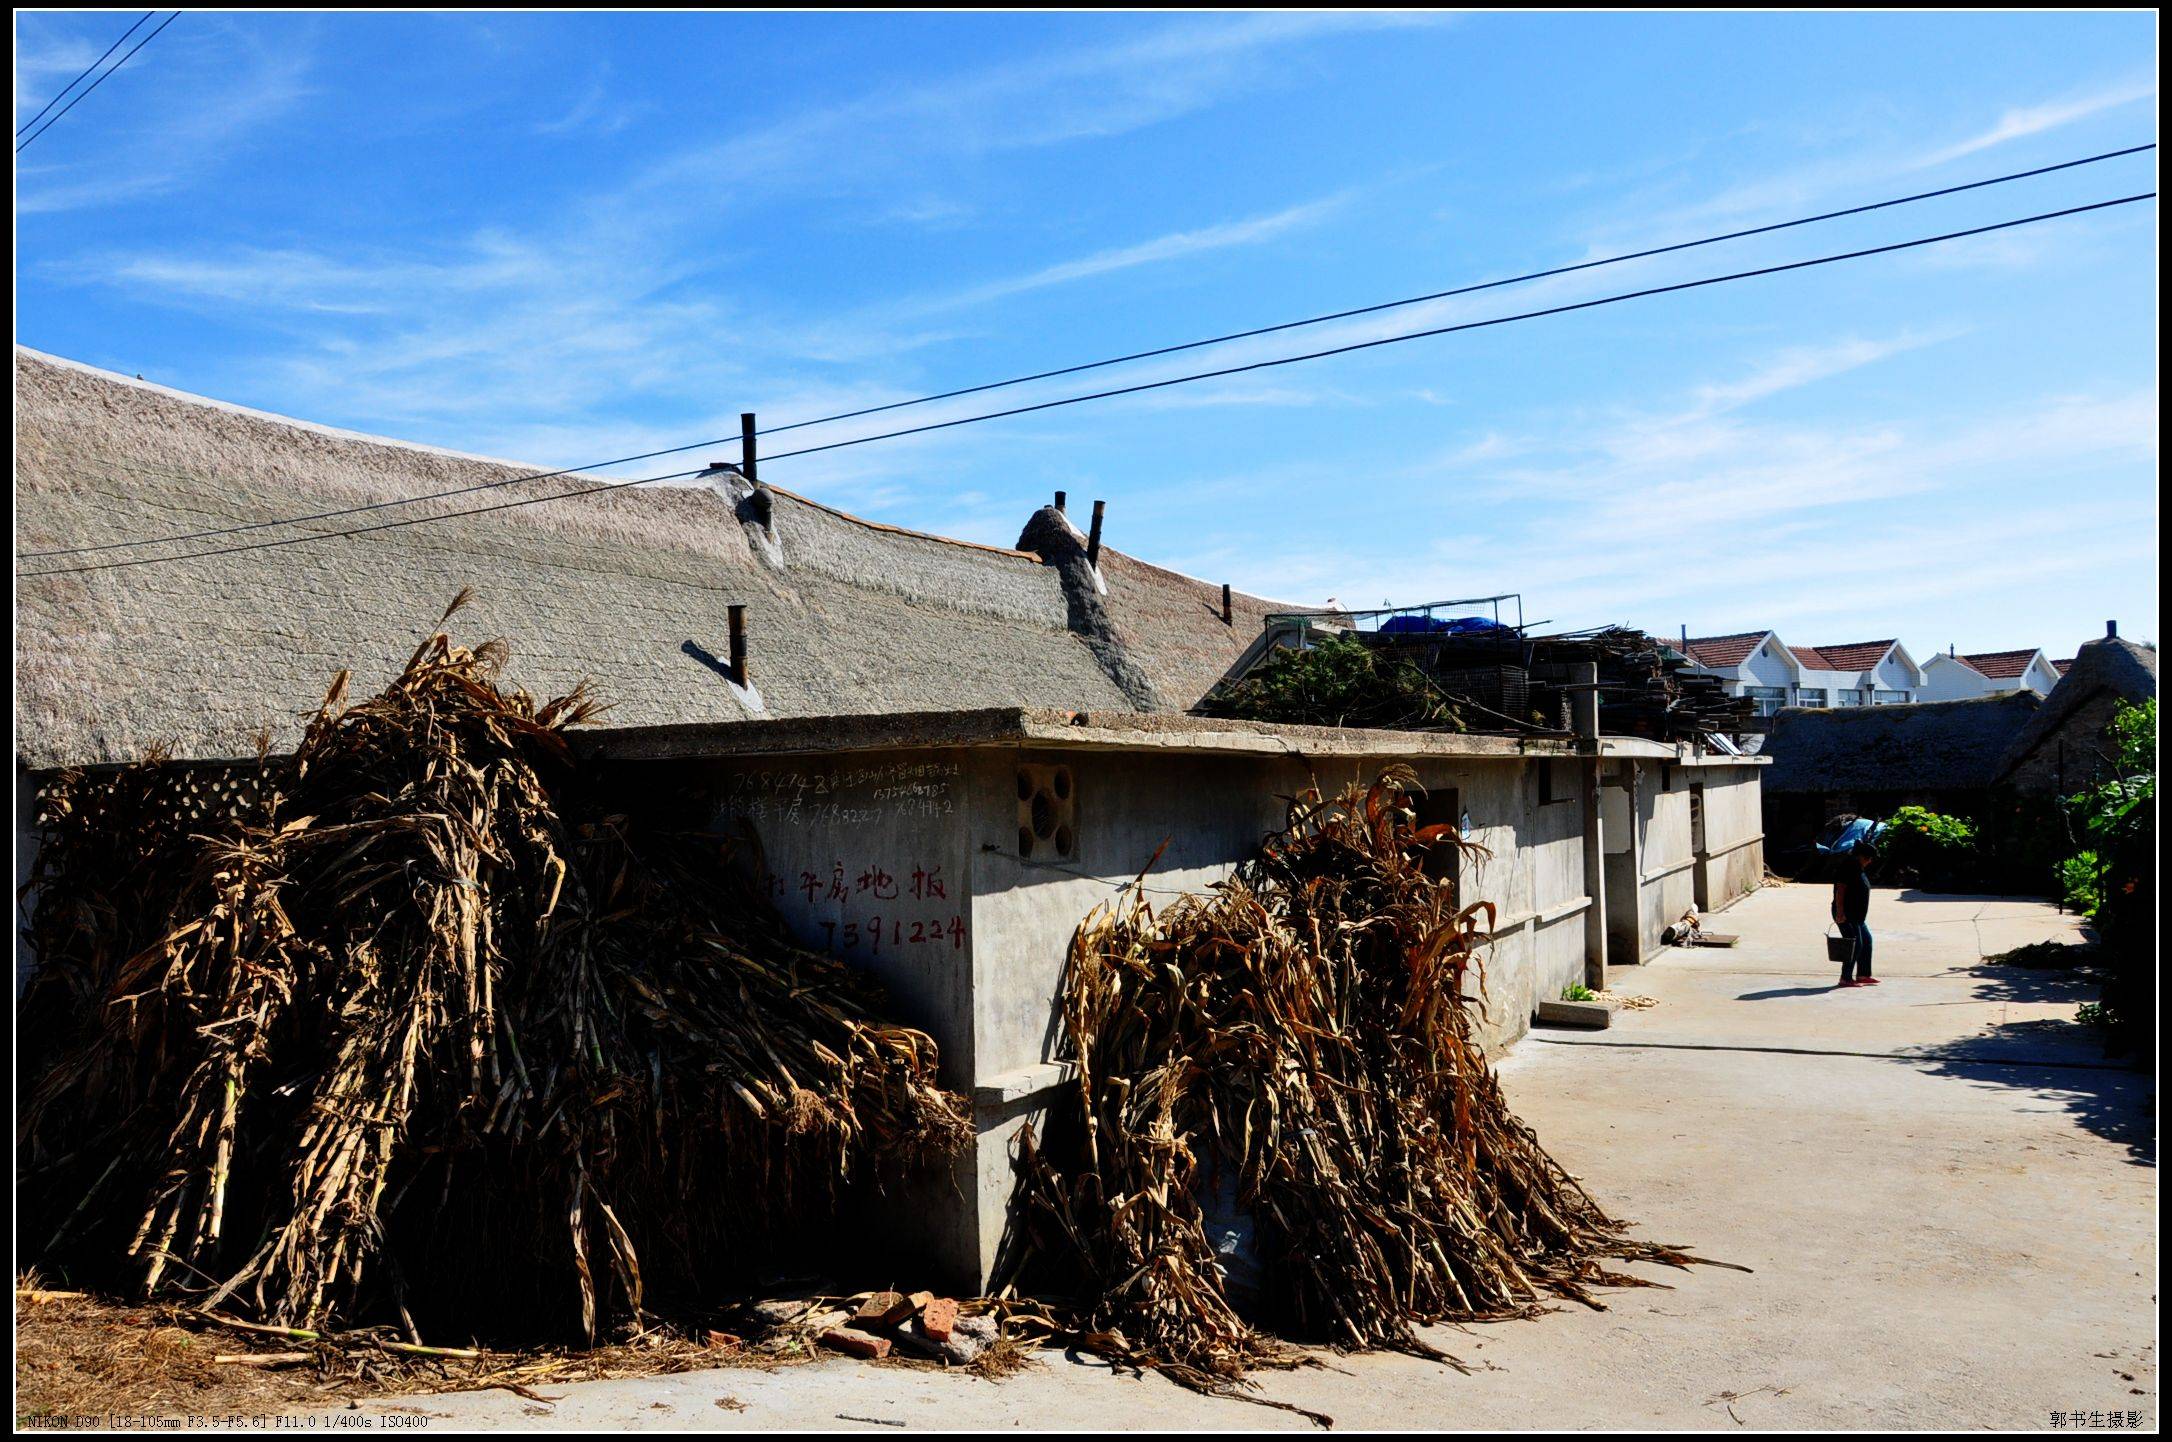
(918, 1324)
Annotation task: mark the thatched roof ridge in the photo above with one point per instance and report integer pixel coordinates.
(627, 588)
(1924, 746)
(2108, 666)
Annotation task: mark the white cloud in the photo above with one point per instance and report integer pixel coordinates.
(2027, 120)
(216, 86)
(1178, 245)
(1703, 510)
(1643, 218)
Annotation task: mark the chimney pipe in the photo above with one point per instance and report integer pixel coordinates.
(1228, 614)
(738, 615)
(1093, 536)
(2111, 630)
(746, 444)
(1059, 500)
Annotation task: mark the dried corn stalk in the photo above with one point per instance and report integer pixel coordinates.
(407, 1021)
(1300, 1039)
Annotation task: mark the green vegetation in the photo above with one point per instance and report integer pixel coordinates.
(2112, 875)
(2080, 880)
(1577, 991)
(2106, 814)
(2097, 846)
(1339, 681)
(1941, 852)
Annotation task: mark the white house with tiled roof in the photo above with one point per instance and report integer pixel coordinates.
(1953, 675)
(1858, 673)
(1773, 674)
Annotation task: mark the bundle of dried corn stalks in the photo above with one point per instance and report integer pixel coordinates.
(1300, 1043)
(416, 1019)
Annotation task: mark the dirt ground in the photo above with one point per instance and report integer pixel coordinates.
(1946, 1192)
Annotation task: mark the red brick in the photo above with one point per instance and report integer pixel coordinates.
(857, 1344)
(939, 1318)
(884, 1309)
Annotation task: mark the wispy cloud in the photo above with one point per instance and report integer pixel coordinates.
(547, 344)
(216, 86)
(599, 111)
(1177, 245)
(1702, 509)
(1651, 212)
(2027, 120)
(1075, 93)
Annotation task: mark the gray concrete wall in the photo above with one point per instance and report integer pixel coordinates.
(1666, 886)
(1731, 851)
(867, 856)
(1618, 811)
(909, 863)
(1658, 865)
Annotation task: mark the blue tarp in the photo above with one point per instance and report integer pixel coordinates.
(1440, 625)
(1852, 835)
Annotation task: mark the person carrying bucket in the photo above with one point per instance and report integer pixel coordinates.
(1851, 913)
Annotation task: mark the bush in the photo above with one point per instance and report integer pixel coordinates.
(2080, 882)
(2113, 874)
(1940, 852)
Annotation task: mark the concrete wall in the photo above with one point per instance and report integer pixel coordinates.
(1678, 835)
(909, 864)
(1728, 842)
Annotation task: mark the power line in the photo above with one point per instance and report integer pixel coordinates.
(98, 82)
(1383, 306)
(33, 120)
(1354, 346)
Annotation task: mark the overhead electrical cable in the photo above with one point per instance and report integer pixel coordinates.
(1168, 350)
(85, 92)
(1144, 386)
(33, 120)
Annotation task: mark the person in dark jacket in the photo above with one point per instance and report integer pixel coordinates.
(1851, 913)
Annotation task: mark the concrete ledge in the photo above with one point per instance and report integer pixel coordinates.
(1561, 911)
(1594, 1015)
(1103, 730)
(1017, 1086)
(1662, 873)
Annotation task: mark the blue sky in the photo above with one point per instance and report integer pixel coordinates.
(561, 238)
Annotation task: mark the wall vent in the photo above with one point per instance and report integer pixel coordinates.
(1047, 813)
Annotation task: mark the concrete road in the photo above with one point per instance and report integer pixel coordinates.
(1947, 1195)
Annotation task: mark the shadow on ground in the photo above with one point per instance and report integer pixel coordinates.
(2056, 1057)
(1917, 893)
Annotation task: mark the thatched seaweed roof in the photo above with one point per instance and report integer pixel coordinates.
(1925, 746)
(628, 589)
(2108, 666)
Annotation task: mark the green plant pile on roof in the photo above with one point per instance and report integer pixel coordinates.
(1339, 681)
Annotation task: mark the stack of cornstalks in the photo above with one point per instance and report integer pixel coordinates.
(413, 1031)
(1295, 1053)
